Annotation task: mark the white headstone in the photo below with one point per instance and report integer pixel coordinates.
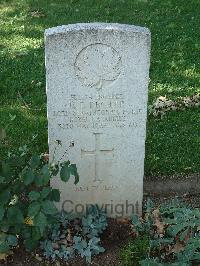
(97, 83)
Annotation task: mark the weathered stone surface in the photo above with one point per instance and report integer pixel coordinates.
(97, 80)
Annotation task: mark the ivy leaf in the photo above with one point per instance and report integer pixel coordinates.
(5, 196)
(43, 177)
(15, 215)
(65, 171)
(40, 220)
(45, 192)
(34, 195)
(2, 210)
(38, 181)
(45, 174)
(33, 209)
(35, 234)
(73, 170)
(55, 195)
(28, 177)
(48, 207)
(35, 161)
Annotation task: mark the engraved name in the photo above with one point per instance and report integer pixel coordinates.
(97, 111)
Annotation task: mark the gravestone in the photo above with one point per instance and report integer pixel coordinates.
(97, 82)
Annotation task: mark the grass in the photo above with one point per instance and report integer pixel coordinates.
(135, 251)
(173, 143)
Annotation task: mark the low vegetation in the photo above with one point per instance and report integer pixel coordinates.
(29, 217)
(167, 235)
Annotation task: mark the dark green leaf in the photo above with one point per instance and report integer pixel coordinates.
(65, 172)
(4, 196)
(55, 195)
(73, 170)
(2, 210)
(18, 187)
(40, 219)
(30, 244)
(35, 161)
(33, 209)
(48, 207)
(45, 174)
(36, 235)
(34, 195)
(45, 192)
(28, 177)
(38, 181)
(26, 232)
(15, 215)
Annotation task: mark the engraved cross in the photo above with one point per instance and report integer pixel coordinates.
(97, 153)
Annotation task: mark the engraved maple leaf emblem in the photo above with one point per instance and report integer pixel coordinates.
(98, 65)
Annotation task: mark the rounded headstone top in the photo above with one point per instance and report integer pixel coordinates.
(96, 26)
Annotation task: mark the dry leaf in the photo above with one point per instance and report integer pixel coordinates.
(163, 105)
(177, 247)
(3, 256)
(158, 223)
(69, 236)
(160, 227)
(38, 257)
(57, 263)
(37, 14)
(123, 220)
(45, 157)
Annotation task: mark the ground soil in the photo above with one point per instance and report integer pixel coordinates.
(117, 235)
